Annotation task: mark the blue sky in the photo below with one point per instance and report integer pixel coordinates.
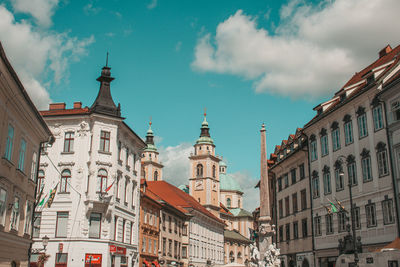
(247, 62)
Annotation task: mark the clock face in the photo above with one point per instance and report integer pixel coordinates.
(198, 185)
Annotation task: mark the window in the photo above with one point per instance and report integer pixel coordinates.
(303, 199)
(169, 224)
(388, 215)
(366, 166)
(280, 208)
(65, 180)
(342, 220)
(357, 217)
(315, 185)
(327, 182)
(105, 141)
(119, 150)
(382, 159)
(115, 228)
(313, 149)
(15, 212)
(281, 233)
(317, 226)
(125, 191)
(395, 110)
(329, 223)
(9, 144)
(61, 259)
(352, 172)
(101, 181)
(214, 171)
(348, 133)
(199, 170)
(22, 150)
(287, 231)
(336, 139)
(287, 208)
(293, 175)
(280, 184)
(37, 219)
(123, 232)
(339, 179)
(371, 214)
(377, 115)
(69, 142)
(127, 156)
(164, 244)
(304, 227)
(34, 166)
(28, 218)
(295, 230)
(228, 202)
(156, 176)
(294, 202)
(302, 172)
(324, 145)
(286, 179)
(94, 225)
(169, 247)
(3, 205)
(175, 225)
(144, 244)
(62, 223)
(362, 125)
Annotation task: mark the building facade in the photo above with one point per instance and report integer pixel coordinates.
(22, 131)
(348, 144)
(92, 172)
(293, 224)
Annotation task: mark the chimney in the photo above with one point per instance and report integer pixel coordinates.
(57, 106)
(385, 51)
(77, 105)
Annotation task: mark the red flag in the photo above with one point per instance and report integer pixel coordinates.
(108, 188)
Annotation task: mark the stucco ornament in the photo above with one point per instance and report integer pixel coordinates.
(83, 128)
(56, 130)
(269, 259)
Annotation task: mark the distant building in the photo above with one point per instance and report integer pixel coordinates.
(94, 166)
(22, 132)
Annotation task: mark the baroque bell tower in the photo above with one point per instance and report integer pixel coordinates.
(151, 165)
(204, 168)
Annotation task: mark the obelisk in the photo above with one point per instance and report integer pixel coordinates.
(265, 228)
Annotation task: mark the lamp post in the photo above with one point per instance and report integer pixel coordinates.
(353, 227)
(45, 242)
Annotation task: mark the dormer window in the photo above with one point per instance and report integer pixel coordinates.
(371, 79)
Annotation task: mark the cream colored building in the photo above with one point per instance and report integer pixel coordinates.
(22, 131)
(349, 133)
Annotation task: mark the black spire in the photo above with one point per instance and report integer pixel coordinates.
(104, 103)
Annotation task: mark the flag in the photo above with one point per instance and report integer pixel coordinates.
(328, 209)
(42, 202)
(333, 207)
(108, 188)
(341, 207)
(52, 196)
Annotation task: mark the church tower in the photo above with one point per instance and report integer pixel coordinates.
(151, 166)
(204, 167)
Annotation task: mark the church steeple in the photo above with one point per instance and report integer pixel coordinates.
(151, 166)
(205, 137)
(104, 103)
(150, 139)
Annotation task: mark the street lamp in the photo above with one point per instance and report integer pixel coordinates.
(45, 242)
(353, 227)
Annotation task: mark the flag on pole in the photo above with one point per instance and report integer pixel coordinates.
(341, 207)
(108, 188)
(52, 196)
(333, 207)
(42, 201)
(328, 209)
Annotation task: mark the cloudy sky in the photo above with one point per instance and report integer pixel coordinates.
(247, 62)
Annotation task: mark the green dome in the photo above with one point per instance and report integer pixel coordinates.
(151, 147)
(227, 182)
(205, 140)
(222, 164)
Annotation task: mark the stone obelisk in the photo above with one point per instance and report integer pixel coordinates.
(265, 225)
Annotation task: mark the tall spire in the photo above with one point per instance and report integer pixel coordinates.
(205, 132)
(104, 103)
(150, 139)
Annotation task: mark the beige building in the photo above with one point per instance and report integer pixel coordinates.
(349, 135)
(290, 171)
(22, 132)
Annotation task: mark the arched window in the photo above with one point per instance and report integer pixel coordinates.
(199, 170)
(231, 257)
(239, 255)
(214, 171)
(238, 203)
(40, 181)
(101, 181)
(65, 180)
(228, 202)
(155, 175)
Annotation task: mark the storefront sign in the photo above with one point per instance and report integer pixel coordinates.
(93, 258)
(60, 247)
(117, 250)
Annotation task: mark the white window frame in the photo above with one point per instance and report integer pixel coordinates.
(383, 168)
(339, 180)
(3, 205)
(370, 213)
(387, 210)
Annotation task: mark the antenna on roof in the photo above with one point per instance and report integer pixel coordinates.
(107, 60)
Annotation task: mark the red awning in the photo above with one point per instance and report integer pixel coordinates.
(156, 263)
(147, 263)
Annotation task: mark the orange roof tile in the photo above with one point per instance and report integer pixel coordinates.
(63, 112)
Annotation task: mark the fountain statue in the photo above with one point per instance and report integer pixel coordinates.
(269, 259)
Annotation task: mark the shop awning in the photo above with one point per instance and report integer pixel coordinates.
(148, 264)
(394, 245)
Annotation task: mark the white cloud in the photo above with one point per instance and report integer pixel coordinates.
(36, 54)
(41, 10)
(91, 9)
(178, 46)
(176, 163)
(312, 52)
(152, 4)
(251, 195)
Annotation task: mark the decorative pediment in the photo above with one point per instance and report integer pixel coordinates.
(335, 125)
(380, 146)
(314, 174)
(364, 153)
(103, 163)
(323, 132)
(338, 164)
(71, 163)
(312, 137)
(350, 159)
(347, 118)
(375, 102)
(360, 111)
(326, 169)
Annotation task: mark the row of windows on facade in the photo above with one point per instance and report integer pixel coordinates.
(173, 248)
(348, 131)
(289, 148)
(295, 227)
(179, 226)
(343, 218)
(95, 220)
(366, 168)
(229, 202)
(199, 170)
(284, 180)
(232, 256)
(206, 232)
(15, 209)
(21, 153)
(303, 199)
(104, 146)
(155, 174)
(203, 252)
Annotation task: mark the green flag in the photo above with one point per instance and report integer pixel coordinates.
(333, 207)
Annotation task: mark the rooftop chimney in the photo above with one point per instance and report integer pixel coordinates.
(57, 106)
(77, 105)
(385, 51)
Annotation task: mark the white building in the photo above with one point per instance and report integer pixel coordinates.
(95, 165)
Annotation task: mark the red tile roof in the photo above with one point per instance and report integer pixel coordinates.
(64, 112)
(178, 198)
(223, 209)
